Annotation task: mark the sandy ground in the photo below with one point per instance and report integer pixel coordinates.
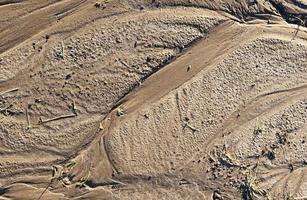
(139, 99)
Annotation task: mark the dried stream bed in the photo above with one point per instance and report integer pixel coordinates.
(167, 99)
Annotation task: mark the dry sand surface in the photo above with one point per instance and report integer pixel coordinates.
(153, 99)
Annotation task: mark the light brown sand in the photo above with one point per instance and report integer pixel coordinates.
(164, 99)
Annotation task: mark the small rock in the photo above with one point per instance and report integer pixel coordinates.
(217, 196)
(68, 76)
(97, 5)
(189, 68)
(118, 40)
